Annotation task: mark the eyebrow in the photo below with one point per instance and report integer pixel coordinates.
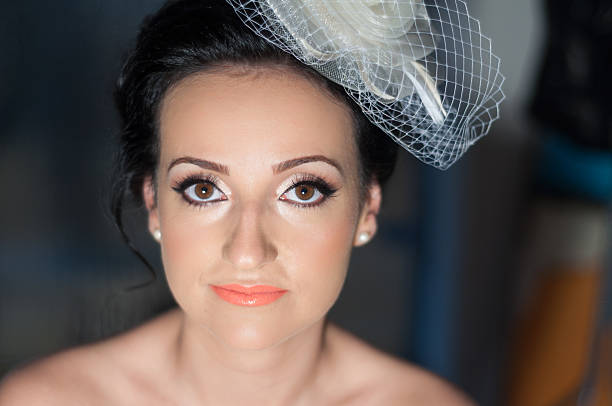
(292, 163)
(202, 163)
(276, 169)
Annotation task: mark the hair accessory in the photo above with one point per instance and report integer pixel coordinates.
(422, 73)
(363, 237)
(157, 235)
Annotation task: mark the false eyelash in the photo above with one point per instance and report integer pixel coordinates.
(324, 187)
(321, 184)
(184, 183)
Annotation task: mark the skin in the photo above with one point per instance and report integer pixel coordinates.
(256, 231)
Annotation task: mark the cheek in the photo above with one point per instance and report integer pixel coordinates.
(190, 245)
(316, 252)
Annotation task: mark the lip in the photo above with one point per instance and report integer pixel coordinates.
(240, 295)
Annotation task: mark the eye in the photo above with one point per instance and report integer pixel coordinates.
(307, 193)
(303, 194)
(200, 191)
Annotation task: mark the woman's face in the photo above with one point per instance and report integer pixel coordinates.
(257, 185)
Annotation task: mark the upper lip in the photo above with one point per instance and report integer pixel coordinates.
(254, 289)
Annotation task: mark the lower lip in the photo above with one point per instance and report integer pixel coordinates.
(245, 297)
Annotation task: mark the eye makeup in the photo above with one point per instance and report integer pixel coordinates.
(200, 190)
(304, 191)
(314, 191)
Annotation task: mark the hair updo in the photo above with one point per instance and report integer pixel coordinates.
(186, 37)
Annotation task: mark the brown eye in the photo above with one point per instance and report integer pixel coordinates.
(200, 191)
(307, 193)
(204, 190)
(304, 192)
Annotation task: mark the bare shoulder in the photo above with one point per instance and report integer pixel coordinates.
(384, 379)
(62, 378)
(425, 388)
(24, 388)
(86, 375)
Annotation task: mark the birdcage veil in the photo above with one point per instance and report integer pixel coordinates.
(421, 71)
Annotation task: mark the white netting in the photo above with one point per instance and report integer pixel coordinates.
(421, 72)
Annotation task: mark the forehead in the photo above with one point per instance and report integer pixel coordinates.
(268, 115)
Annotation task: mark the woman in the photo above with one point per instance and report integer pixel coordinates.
(259, 176)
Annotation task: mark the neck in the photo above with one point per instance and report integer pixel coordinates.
(279, 375)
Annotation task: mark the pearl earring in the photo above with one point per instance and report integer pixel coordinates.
(157, 234)
(363, 237)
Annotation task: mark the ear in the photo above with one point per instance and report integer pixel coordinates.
(368, 219)
(148, 196)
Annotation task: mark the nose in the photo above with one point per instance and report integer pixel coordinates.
(247, 246)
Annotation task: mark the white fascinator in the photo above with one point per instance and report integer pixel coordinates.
(421, 71)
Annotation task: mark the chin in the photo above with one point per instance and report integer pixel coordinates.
(255, 335)
(252, 336)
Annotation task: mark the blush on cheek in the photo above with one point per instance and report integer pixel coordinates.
(187, 250)
(323, 259)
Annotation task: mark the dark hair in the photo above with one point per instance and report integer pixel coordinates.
(190, 36)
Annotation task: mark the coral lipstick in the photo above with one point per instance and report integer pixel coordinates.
(257, 295)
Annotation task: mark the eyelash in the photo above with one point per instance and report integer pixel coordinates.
(185, 183)
(310, 180)
(318, 183)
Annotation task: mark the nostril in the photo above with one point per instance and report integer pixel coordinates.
(247, 257)
(249, 248)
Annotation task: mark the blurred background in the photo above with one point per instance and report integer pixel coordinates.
(495, 274)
